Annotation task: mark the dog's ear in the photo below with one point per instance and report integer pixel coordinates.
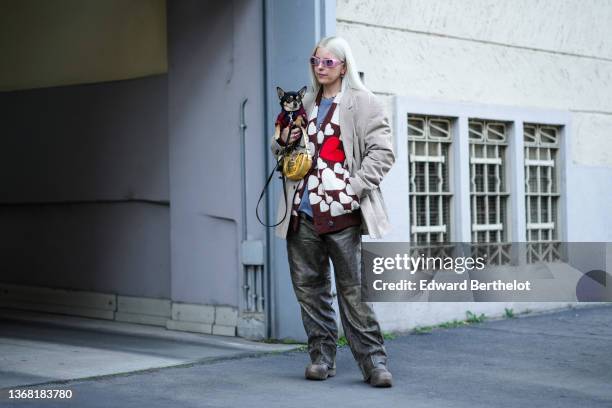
(280, 92)
(301, 92)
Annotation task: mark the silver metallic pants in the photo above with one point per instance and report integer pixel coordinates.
(309, 255)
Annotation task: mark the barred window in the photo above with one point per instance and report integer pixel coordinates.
(429, 141)
(468, 151)
(542, 190)
(488, 193)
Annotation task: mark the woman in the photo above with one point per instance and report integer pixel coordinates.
(335, 203)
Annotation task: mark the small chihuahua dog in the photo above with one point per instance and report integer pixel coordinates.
(293, 114)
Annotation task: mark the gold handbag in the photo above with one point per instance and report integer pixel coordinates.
(297, 160)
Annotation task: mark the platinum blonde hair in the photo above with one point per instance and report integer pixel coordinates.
(342, 50)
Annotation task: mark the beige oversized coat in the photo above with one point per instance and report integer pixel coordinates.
(367, 140)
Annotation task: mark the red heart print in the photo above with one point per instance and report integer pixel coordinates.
(332, 149)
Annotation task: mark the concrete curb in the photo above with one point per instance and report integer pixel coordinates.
(138, 330)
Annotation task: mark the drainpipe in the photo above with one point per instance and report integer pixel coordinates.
(269, 294)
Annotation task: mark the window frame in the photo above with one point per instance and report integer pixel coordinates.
(429, 194)
(459, 172)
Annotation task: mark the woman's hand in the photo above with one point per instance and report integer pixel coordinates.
(295, 134)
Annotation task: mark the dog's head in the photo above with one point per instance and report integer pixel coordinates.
(290, 101)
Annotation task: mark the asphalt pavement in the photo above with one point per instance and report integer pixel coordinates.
(560, 359)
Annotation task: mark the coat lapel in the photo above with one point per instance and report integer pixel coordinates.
(346, 126)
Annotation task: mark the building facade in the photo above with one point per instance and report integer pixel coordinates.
(135, 146)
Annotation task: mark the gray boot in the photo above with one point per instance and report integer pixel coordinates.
(319, 371)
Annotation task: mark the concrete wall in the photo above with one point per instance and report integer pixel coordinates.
(89, 171)
(287, 56)
(545, 54)
(105, 141)
(521, 54)
(84, 146)
(84, 203)
(131, 189)
(215, 62)
(71, 42)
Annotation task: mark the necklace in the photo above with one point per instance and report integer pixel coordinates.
(329, 97)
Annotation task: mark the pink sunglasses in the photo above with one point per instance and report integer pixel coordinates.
(327, 62)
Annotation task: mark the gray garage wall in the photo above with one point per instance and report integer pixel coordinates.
(293, 29)
(215, 62)
(133, 187)
(84, 198)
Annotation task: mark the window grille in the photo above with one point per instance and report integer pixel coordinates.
(431, 137)
(488, 193)
(542, 191)
(429, 141)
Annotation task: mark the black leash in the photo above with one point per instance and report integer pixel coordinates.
(279, 168)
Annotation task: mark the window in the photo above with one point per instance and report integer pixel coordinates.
(429, 140)
(488, 194)
(542, 191)
(481, 174)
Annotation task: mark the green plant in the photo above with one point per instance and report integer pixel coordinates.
(342, 341)
(509, 313)
(473, 318)
(388, 336)
(422, 330)
(452, 324)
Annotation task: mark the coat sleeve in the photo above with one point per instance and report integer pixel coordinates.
(377, 156)
(276, 145)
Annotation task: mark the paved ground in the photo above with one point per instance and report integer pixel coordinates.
(562, 359)
(40, 348)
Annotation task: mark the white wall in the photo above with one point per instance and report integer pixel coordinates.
(525, 54)
(543, 54)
